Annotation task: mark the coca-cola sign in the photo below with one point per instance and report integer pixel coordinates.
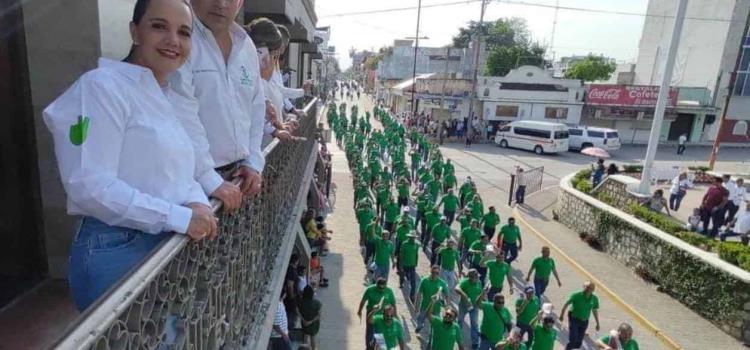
(627, 95)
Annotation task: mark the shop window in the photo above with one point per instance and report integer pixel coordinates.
(486, 92)
(506, 111)
(740, 128)
(555, 113)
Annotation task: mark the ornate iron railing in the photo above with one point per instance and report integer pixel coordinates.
(217, 293)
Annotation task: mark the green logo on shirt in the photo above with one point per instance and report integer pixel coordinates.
(79, 131)
(244, 76)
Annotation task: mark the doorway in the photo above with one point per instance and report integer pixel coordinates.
(683, 125)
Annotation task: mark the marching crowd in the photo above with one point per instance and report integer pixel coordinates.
(405, 209)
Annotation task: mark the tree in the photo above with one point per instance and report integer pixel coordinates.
(508, 44)
(592, 68)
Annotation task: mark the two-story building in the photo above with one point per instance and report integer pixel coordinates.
(530, 93)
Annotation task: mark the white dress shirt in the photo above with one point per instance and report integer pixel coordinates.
(733, 190)
(678, 184)
(274, 95)
(287, 93)
(226, 121)
(134, 166)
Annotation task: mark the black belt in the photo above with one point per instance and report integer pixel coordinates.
(229, 167)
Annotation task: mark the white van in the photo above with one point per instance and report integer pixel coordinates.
(538, 136)
(582, 137)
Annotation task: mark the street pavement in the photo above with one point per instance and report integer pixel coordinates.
(490, 168)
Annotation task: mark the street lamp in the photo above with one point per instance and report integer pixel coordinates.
(414, 70)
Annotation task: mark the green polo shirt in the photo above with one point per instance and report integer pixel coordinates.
(432, 218)
(445, 337)
(383, 252)
(427, 288)
(470, 235)
(630, 345)
(544, 339)
(449, 258)
(494, 322)
(498, 272)
(403, 190)
(491, 219)
(543, 267)
(440, 232)
(529, 312)
(476, 258)
(393, 332)
(465, 222)
(409, 254)
(510, 233)
(373, 296)
(401, 232)
(581, 305)
(472, 290)
(449, 180)
(450, 202)
(391, 212)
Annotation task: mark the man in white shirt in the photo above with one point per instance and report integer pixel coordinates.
(226, 120)
(735, 197)
(740, 226)
(681, 144)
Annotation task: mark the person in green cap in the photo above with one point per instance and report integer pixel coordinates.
(450, 204)
(408, 259)
(440, 232)
(429, 286)
(446, 333)
(583, 304)
(544, 333)
(387, 325)
(621, 338)
(450, 258)
(469, 291)
(496, 320)
(527, 307)
(383, 255)
(499, 272)
(544, 266)
(490, 222)
(514, 341)
(510, 240)
(378, 293)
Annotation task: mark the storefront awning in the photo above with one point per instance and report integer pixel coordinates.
(406, 85)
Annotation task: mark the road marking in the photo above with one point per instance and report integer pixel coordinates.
(669, 342)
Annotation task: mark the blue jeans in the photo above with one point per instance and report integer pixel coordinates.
(450, 279)
(576, 330)
(462, 311)
(526, 329)
(494, 290)
(510, 250)
(540, 286)
(409, 273)
(520, 194)
(382, 271)
(449, 216)
(485, 344)
(102, 254)
(675, 200)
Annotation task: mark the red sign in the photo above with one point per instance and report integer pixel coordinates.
(627, 95)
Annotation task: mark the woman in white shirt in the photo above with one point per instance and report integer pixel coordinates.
(125, 161)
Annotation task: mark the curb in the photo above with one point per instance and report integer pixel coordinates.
(656, 331)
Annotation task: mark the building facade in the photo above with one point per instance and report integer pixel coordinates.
(530, 93)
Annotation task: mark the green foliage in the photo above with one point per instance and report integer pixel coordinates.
(501, 60)
(734, 253)
(592, 68)
(698, 240)
(582, 181)
(606, 198)
(658, 220)
(632, 168)
(699, 169)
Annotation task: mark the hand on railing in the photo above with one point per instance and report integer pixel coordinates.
(203, 223)
(251, 180)
(230, 195)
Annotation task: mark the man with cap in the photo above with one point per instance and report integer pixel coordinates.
(583, 304)
(544, 332)
(408, 259)
(469, 291)
(496, 320)
(527, 307)
(446, 331)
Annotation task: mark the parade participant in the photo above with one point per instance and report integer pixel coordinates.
(376, 294)
(499, 272)
(496, 320)
(543, 266)
(527, 307)
(490, 222)
(387, 325)
(510, 240)
(469, 291)
(583, 304)
(408, 260)
(429, 287)
(446, 333)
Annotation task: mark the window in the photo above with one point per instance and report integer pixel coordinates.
(742, 84)
(486, 92)
(597, 134)
(575, 132)
(555, 113)
(740, 128)
(561, 135)
(612, 135)
(546, 134)
(504, 128)
(506, 111)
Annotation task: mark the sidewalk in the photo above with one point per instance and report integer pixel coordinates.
(675, 320)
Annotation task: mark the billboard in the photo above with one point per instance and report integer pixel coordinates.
(627, 95)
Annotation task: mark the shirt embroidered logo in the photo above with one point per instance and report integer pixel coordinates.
(244, 77)
(79, 131)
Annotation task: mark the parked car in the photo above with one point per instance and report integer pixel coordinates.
(582, 137)
(538, 136)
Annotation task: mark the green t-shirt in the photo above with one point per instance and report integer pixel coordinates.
(494, 322)
(630, 345)
(416, 158)
(472, 290)
(477, 209)
(383, 252)
(424, 204)
(465, 222)
(440, 232)
(544, 339)
(529, 312)
(433, 187)
(581, 306)
(409, 253)
(401, 232)
(450, 202)
(466, 190)
(510, 233)
(391, 212)
(365, 216)
(543, 267)
(449, 258)
(491, 219)
(403, 190)
(383, 194)
(373, 233)
(470, 235)
(521, 346)
(392, 332)
(432, 218)
(449, 180)
(476, 258)
(427, 288)
(498, 272)
(445, 337)
(373, 296)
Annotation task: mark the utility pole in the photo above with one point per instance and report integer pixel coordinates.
(730, 89)
(477, 48)
(414, 71)
(445, 77)
(661, 101)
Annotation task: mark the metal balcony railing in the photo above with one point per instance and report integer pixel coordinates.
(222, 292)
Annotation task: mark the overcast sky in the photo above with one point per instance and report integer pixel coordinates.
(577, 32)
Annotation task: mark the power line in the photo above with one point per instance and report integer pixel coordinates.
(529, 4)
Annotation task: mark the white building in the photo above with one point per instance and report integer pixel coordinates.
(706, 56)
(530, 93)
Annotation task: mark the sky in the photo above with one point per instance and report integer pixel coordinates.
(577, 32)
